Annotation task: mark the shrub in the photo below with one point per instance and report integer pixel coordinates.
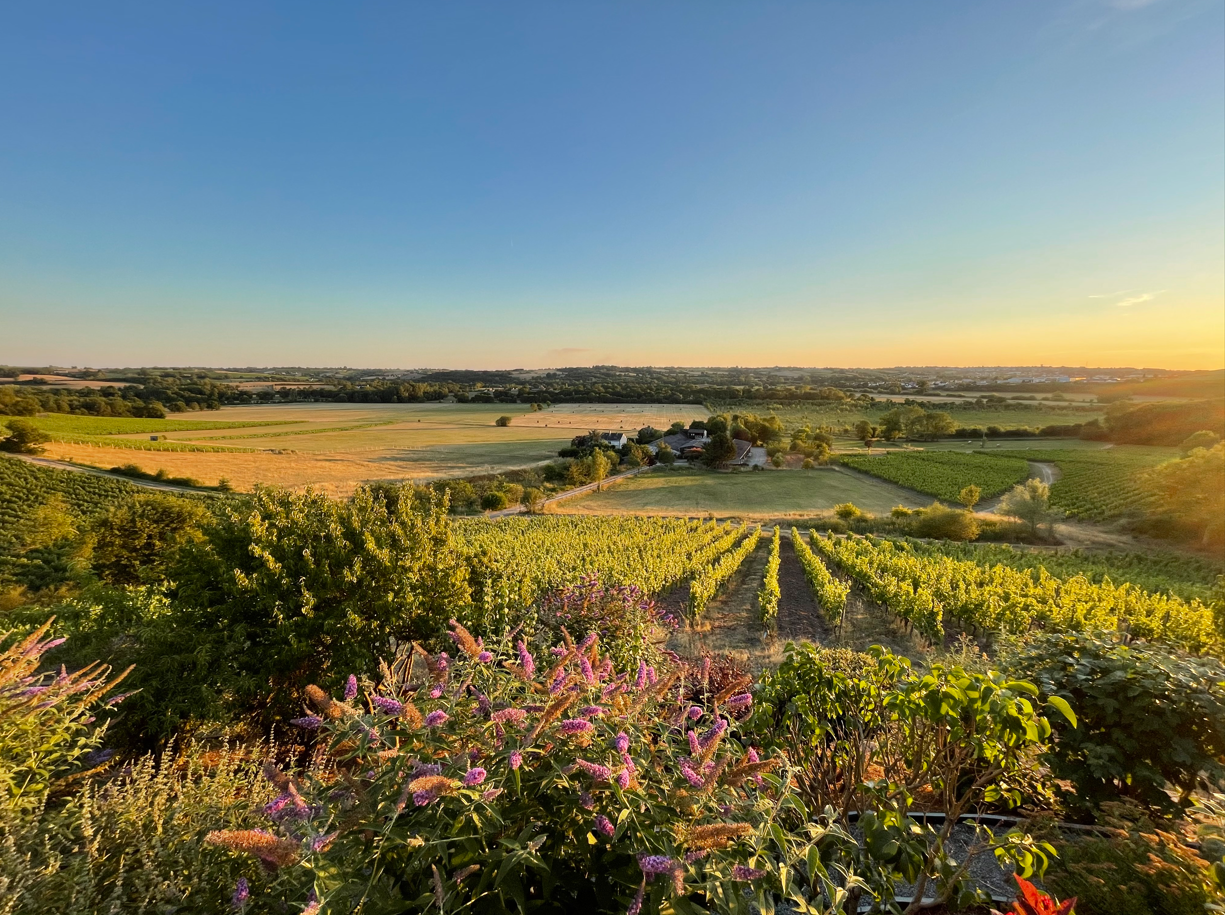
(493, 500)
(900, 511)
(624, 617)
(847, 511)
(136, 842)
(502, 421)
(1139, 866)
(940, 522)
(24, 438)
(1148, 717)
(135, 540)
(867, 735)
(558, 787)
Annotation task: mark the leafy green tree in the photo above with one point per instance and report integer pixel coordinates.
(778, 460)
(24, 438)
(719, 450)
(533, 498)
(648, 434)
(502, 421)
(1029, 502)
(970, 496)
(1191, 492)
(494, 500)
(135, 541)
(665, 454)
(893, 424)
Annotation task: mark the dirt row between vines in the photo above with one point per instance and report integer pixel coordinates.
(732, 624)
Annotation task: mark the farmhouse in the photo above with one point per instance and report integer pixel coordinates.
(614, 439)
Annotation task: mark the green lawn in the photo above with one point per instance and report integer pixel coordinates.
(771, 492)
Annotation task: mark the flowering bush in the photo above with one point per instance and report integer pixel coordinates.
(497, 781)
(624, 617)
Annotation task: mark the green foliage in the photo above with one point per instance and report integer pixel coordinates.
(1187, 577)
(303, 588)
(970, 496)
(939, 522)
(1028, 502)
(1100, 484)
(965, 738)
(1190, 493)
(503, 421)
(925, 589)
(493, 501)
(135, 540)
(1143, 865)
(494, 793)
(718, 450)
(1201, 439)
(709, 579)
(1148, 717)
(943, 474)
(829, 593)
(847, 511)
(769, 594)
(24, 438)
(136, 842)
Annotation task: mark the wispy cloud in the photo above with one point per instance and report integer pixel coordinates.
(1138, 299)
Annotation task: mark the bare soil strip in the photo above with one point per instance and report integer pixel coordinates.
(799, 616)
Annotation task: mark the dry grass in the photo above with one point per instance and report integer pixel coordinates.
(341, 445)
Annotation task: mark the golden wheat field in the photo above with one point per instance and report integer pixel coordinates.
(333, 447)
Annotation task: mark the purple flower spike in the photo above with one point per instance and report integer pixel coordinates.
(695, 713)
(388, 706)
(653, 865)
(575, 726)
(435, 719)
(516, 759)
(350, 688)
(474, 777)
(640, 681)
(740, 701)
(242, 893)
(695, 746)
(484, 657)
(310, 722)
(604, 826)
(740, 872)
(622, 742)
(526, 661)
(636, 905)
(623, 779)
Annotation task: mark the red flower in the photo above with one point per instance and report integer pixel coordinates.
(1033, 901)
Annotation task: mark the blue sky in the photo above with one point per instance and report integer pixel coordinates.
(536, 184)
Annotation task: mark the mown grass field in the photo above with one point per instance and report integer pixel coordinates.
(771, 493)
(336, 446)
